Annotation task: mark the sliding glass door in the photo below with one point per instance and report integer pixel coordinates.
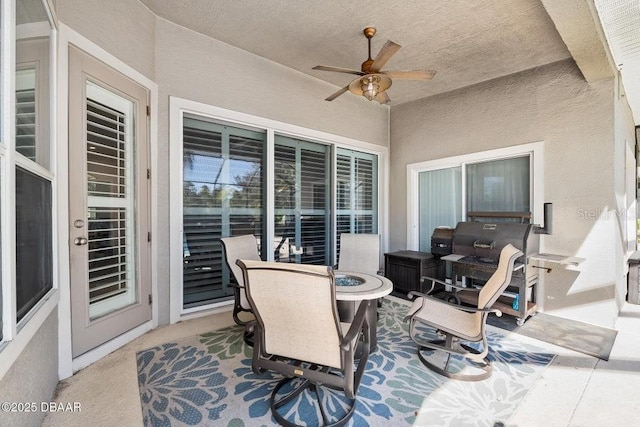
(500, 185)
(223, 195)
(440, 199)
(301, 194)
(356, 193)
(239, 180)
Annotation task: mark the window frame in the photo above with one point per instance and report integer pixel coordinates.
(17, 335)
(178, 108)
(536, 164)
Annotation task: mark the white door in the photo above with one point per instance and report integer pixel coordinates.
(108, 203)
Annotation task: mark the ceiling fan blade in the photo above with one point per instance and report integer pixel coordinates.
(337, 94)
(338, 70)
(383, 98)
(411, 75)
(385, 54)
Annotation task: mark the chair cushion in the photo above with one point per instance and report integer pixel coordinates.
(295, 304)
(240, 247)
(359, 253)
(437, 313)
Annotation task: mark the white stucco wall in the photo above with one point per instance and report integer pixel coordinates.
(576, 121)
(33, 377)
(192, 66)
(124, 28)
(189, 65)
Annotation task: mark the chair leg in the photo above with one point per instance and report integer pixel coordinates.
(248, 334)
(279, 402)
(484, 365)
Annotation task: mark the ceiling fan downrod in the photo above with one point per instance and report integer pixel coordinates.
(369, 32)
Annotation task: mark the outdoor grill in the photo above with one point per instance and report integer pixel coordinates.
(476, 247)
(481, 243)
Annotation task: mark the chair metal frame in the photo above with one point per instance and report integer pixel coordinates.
(301, 375)
(453, 342)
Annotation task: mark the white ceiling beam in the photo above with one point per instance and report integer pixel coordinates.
(578, 24)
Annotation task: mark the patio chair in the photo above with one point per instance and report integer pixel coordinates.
(240, 247)
(460, 323)
(359, 253)
(300, 336)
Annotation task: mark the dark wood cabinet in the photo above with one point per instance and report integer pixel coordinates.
(405, 268)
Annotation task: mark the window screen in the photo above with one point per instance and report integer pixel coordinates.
(34, 271)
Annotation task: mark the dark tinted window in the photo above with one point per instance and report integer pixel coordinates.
(34, 272)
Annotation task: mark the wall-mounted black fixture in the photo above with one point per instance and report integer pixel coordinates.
(548, 220)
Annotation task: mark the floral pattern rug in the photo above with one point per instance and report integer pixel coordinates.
(206, 380)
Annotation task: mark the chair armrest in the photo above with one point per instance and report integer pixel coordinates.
(459, 307)
(356, 325)
(433, 280)
(412, 294)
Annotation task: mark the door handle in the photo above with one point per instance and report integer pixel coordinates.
(80, 241)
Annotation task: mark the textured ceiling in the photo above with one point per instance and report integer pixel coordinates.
(465, 41)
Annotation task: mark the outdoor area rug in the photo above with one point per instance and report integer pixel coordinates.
(206, 380)
(583, 337)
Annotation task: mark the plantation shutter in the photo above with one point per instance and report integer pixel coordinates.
(26, 112)
(111, 257)
(302, 220)
(357, 190)
(223, 196)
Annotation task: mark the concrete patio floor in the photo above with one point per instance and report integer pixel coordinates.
(575, 390)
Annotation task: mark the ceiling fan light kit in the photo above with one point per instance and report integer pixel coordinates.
(371, 82)
(370, 85)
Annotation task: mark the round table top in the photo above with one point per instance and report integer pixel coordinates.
(374, 287)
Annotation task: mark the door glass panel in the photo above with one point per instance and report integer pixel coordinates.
(302, 214)
(440, 202)
(223, 196)
(357, 193)
(110, 202)
(499, 185)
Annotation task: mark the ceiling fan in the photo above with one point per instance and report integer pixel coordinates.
(371, 82)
